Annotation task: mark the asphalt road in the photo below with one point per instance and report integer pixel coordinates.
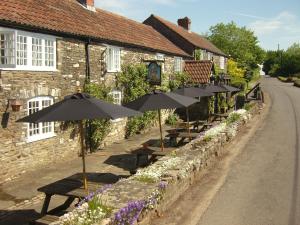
(260, 184)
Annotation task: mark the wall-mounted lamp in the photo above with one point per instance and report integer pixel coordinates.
(15, 104)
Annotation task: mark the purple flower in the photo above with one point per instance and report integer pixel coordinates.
(162, 185)
(128, 214)
(93, 194)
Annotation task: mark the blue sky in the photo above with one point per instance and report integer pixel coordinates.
(273, 21)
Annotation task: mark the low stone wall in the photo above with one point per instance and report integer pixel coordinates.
(175, 173)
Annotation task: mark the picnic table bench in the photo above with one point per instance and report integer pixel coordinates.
(220, 116)
(71, 188)
(45, 220)
(151, 151)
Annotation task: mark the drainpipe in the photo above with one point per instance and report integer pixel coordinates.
(87, 81)
(87, 60)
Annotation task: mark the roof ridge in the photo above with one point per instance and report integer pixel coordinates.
(189, 36)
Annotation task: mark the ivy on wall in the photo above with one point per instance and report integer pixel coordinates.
(133, 81)
(179, 79)
(97, 129)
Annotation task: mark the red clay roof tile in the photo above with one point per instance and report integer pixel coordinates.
(69, 17)
(191, 37)
(199, 71)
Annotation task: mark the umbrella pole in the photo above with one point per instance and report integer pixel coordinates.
(188, 121)
(83, 155)
(160, 129)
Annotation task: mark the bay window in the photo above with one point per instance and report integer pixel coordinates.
(39, 131)
(20, 50)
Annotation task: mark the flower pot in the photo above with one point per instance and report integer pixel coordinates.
(15, 105)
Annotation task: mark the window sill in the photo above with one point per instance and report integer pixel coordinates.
(31, 69)
(117, 120)
(40, 137)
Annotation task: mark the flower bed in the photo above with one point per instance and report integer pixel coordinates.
(155, 187)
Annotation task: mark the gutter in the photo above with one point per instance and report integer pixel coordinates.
(36, 29)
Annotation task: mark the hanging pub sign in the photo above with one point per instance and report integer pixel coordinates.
(154, 74)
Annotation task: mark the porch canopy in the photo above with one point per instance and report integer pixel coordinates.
(78, 107)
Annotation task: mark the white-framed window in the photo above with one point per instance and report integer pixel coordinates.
(160, 57)
(20, 50)
(113, 59)
(7, 49)
(209, 56)
(222, 62)
(177, 64)
(117, 99)
(39, 131)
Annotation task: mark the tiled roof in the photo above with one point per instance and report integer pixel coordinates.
(199, 71)
(191, 37)
(69, 17)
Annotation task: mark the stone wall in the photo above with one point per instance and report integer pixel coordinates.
(190, 161)
(16, 154)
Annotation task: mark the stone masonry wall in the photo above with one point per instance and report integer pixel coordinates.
(16, 154)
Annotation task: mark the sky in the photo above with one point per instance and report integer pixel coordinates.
(273, 21)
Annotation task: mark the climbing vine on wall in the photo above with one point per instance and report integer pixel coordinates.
(98, 129)
(132, 80)
(179, 79)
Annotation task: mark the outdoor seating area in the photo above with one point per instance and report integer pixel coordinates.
(77, 188)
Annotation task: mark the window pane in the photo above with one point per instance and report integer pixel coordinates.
(7, 49)
(49, 53)
(37, 52)
(21, 50)
(41, 128)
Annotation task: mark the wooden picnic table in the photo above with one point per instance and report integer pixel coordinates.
(71, 188)
(220, 116)
(182, 135)
(152, 151)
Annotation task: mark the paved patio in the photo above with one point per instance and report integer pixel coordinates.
(20, 201)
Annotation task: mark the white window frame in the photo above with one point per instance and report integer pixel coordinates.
(113, 93)
(40, 135)
(13, 44)
(222, 62)
(113, 62)
(178, 64)
(29, 36)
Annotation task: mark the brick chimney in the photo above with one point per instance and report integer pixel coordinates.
(185, 23)
(89, 4)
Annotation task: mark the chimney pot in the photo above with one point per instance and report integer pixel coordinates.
(185, 23)
(89, 4)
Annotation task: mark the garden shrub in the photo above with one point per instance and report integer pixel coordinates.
(297, 83)
(133, 81)
(172, 119)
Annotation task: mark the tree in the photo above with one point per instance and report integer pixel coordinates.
(238, 42)
(236, 74)
(283, 63)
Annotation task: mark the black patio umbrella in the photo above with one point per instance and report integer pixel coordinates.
(231, 89)
(158, 100)
(215, 88)
(194, 92)
(78, 107)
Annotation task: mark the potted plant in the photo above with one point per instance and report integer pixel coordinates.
(15, 105)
